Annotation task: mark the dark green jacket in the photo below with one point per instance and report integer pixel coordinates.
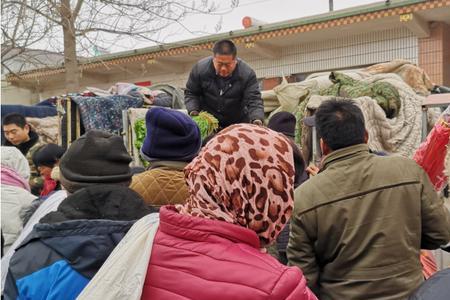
(358, 226)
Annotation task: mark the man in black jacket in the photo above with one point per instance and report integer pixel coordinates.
(226, 87)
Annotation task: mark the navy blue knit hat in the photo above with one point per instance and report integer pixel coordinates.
(171, 135)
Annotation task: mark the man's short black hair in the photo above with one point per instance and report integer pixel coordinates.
(340, 123)
(225, 47)
(14, 118)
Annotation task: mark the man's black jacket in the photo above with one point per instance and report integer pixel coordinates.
(239, 101)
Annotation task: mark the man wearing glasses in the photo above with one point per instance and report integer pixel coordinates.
(226, 87)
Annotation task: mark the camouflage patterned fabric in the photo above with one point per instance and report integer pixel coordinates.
(36, 181)
(384, 93)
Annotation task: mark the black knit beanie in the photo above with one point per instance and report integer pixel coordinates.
(283, 122)
(96, 157)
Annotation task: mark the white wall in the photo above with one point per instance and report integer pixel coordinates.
(354, 50)
(14, 95)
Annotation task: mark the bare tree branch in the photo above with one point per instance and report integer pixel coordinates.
(79, 27)
(23, 3)
(20, 16)
(10, 71)
(77, 9)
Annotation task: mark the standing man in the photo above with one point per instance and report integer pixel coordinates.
(226, 87)
(358, 226)
(19, 134)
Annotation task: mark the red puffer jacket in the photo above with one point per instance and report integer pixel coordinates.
(197, 258)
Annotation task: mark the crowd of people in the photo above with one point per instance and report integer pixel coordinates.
(240, 216)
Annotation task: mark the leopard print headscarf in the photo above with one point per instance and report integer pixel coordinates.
(244, 176)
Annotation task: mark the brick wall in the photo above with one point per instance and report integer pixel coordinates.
(270, 83)
(446, 61)
(434, 53)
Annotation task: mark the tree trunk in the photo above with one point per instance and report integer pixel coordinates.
(70, 49)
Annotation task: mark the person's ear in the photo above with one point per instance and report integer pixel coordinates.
(366, 137)
(324, 147)
(27, 128)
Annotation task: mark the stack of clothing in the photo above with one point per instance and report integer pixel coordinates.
(105, 113)
(391, 103)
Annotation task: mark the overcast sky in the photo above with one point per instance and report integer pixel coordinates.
(278, 10)
(265, 10)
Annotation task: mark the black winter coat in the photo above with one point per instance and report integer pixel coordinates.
(239, 102)
(68, 246)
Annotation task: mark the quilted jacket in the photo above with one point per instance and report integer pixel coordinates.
(162, 184)
(197, 258)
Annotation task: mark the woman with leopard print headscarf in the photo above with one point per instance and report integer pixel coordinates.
(241, 189)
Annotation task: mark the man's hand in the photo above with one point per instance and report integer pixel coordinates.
(312, 170)
(258, 122)
(193, 113)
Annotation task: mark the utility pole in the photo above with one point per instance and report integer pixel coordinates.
(331, 4)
